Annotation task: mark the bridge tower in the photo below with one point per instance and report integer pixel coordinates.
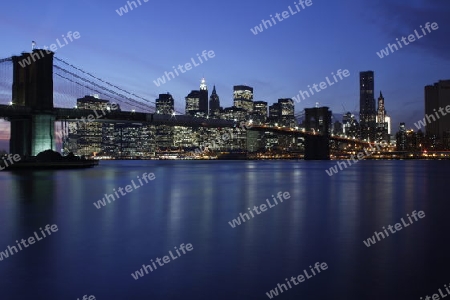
(317, 147)
(33, 88)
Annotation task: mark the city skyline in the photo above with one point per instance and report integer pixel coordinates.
(336, 36)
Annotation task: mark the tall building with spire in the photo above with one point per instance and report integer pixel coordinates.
(381, 113)
(367, 112)
(203, 102)
(214, 103)
(197, 101)
(382, 126)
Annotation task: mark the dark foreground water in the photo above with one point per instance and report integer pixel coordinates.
(95, 251)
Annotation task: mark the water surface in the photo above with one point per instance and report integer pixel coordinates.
(326, 219)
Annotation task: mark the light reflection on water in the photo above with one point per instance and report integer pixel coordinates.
(325, 220)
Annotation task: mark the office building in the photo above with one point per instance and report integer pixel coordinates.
(165, 104)
(367, 112)
(350, 125)
(243, 97)
(287, 108)
(437, 97)
(259, 114)
(192, 103)
(164, 133)
(87, 137)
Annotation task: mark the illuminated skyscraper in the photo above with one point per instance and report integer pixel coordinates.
(259, 115)
(164, 133)
(401, 138)
(243, 97)
(87, 136)
(350, 125)
(287, 112)
(381, 113)
(203, 102)
(192, 103)
(165, 104)
(367, 112)
(381, 124)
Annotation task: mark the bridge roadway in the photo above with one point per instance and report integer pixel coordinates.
(73, 114)
(303, 133)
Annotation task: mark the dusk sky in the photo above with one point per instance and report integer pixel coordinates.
(136, 48)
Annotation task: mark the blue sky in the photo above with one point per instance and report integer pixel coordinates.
(136, 48)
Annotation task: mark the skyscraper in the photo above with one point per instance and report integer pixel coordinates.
(192, 103)
(87, 136)
(165, 104)
(381, 122)
(287, 108)
(197, 101)
(437, 97)
(243, 97)
(164, 133)
(274, 113)
(203, 102)
(351, 126)
(381, 112)
(259, 115)
(214, 103)
(367, 112)
(401, 138)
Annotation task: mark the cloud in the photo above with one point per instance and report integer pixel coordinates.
(398, 18)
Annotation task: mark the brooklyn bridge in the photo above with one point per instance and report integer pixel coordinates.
(39, 100)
